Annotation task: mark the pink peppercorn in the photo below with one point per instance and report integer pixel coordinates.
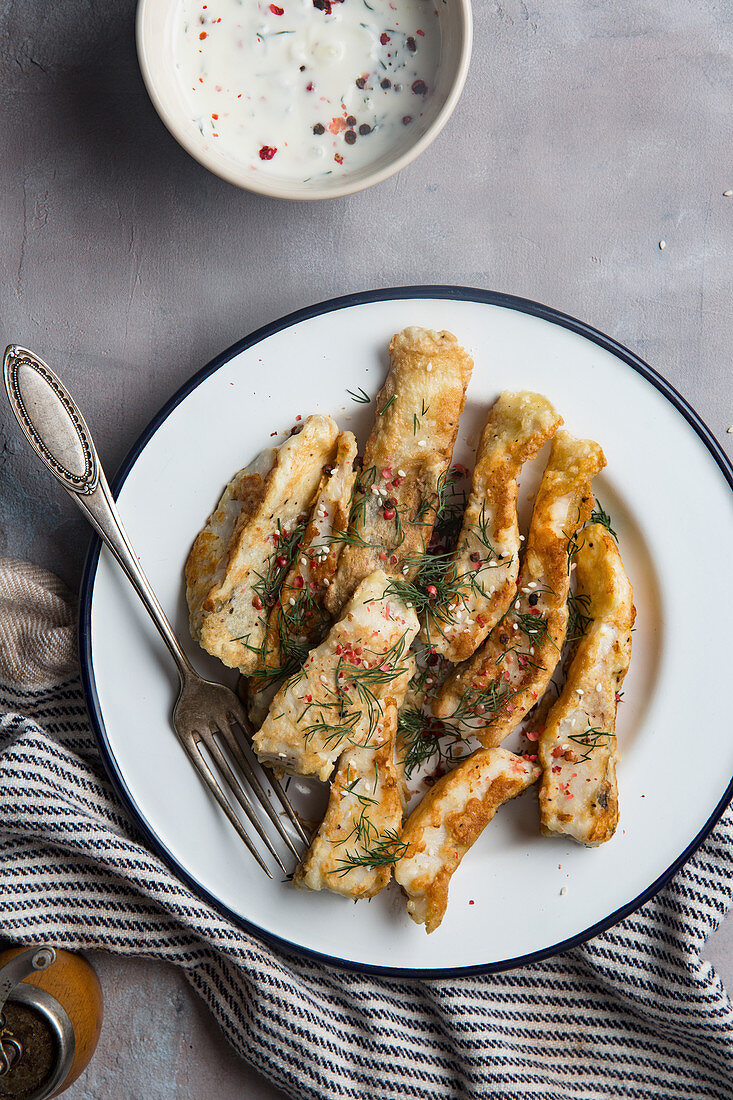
(267, 152)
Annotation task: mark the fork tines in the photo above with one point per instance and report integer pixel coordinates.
(233, 786)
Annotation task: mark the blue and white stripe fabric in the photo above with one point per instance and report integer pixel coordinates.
(633, 1013)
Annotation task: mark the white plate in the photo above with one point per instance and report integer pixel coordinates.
(667, 487)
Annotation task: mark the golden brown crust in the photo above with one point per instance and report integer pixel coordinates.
(487, 552)
(228, 558)
(211, 550)
(504, 679)
(300, 613)
(577, 748)
(337, 700)
(407, 453)
(364, 813)
(449, 820)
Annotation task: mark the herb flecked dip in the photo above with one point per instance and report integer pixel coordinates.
(306, 88)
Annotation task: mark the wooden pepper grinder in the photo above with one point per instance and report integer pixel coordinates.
(50, 1019)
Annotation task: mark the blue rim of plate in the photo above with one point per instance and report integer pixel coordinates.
(451, 293)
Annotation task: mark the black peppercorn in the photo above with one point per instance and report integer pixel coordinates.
(365, 129)
(319, 128)
(533, 599)
(350, 137)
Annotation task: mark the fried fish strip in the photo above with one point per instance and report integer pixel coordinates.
(577, 749)
(337, 700)
(503, 680)
(236, 552)
(358, 841)
(299, 618)
(450, 818)
(482, 573)
(406, 458)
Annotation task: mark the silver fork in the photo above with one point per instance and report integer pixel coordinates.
(205, 713)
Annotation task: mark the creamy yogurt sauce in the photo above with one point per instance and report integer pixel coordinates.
(306, 88)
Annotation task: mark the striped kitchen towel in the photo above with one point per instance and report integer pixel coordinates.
(633, 1013)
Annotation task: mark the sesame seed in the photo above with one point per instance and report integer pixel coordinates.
(730, 430)
(401, 473)
(291, 601)
(421, 443)
(531, 651)
(324, 680)
(517, 605)
(429, 367)
(580, 692)
(563, 892)
(493, 564)
(405, 569)
(599, 687)
(521, 538)
(727, 194)
(515, 627)
(375, 490)
(327, 582)
(492, 590)
(303, 561)
(662, 245)
(532, 584)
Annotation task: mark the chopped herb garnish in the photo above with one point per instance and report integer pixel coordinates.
(591, 738)
(361, 398)
(578, 619)
(384, 851)
(421, 737)
(598, 515)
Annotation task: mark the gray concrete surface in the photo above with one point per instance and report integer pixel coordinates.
(588, 133)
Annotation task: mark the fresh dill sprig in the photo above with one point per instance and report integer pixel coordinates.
(424, 409)
(573, 547)
(536, 627)
(599, 515)
(363, 799)
(590, 739)
(578, 618)
(268, 584)
(481, 531)
(481, 704)
(361, 398)
(386, 850)
(422, 737)
(436, 590)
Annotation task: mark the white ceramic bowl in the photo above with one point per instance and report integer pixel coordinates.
(155, 53)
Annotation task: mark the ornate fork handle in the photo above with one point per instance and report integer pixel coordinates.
(58, 434)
